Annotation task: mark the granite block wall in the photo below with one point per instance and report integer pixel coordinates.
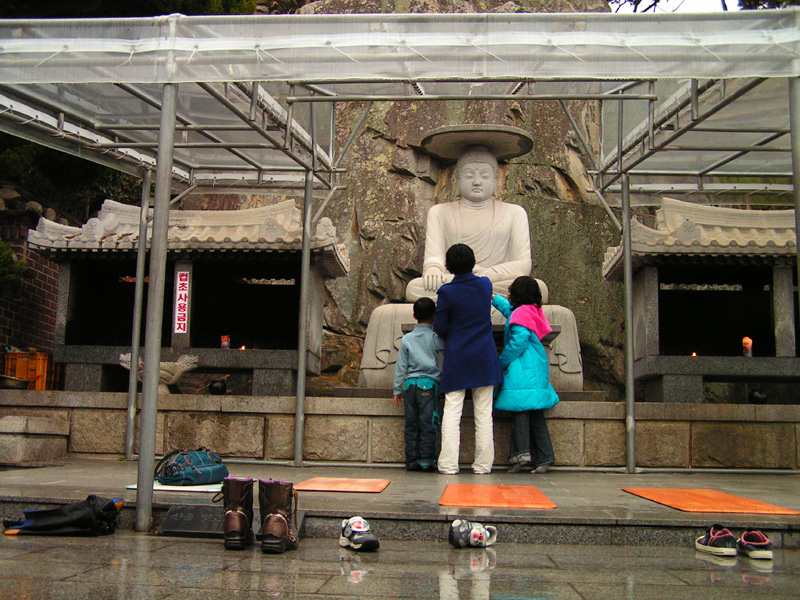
(370, 430)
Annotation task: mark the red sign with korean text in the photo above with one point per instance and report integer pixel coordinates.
(182, 302)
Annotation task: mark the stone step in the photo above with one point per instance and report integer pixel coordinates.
(32, 440)
(520, 527)
(591, 507)
(348, 392)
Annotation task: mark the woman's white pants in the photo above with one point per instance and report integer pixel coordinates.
(451, 430)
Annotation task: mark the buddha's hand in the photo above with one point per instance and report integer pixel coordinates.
(434, 278)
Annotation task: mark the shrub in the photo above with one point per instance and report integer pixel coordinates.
(11, 270)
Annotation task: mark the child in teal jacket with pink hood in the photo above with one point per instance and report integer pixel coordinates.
(526, 389)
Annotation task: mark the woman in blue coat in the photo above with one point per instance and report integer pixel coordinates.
(526, 390)
(463, 319)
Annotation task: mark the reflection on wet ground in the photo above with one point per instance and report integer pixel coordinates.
(128, 565)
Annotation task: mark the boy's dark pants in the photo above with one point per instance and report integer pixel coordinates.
(420, 425)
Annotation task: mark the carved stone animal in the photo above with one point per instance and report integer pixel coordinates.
(168, 372)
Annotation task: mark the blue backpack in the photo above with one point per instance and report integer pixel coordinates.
(190, 467)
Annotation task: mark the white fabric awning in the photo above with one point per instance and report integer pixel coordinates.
(365, 48)
(91, 87)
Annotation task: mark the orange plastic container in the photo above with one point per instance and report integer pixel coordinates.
(29, 365)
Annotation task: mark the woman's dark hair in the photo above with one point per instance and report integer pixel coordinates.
(524, 290)
(459, 259)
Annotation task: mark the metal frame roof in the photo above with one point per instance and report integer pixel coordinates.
(686, 98)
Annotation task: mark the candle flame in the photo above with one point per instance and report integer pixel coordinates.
(694, 353)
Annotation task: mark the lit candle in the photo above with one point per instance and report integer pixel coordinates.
(747, 346)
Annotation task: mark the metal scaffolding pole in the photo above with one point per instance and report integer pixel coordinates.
(794, 119)
(678, 132)
(302, 337)
(627, 263)
(136, 334)
(155, 309)
(453, 97)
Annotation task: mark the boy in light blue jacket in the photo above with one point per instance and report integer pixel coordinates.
(416, 380)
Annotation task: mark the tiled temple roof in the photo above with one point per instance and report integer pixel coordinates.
(687, 229)
(276, 228)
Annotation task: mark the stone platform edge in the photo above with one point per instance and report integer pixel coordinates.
(370, 430)
(535, 527)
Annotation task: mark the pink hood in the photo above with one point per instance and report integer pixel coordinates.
(531, 317)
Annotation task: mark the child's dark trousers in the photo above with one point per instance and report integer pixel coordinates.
(421, 427)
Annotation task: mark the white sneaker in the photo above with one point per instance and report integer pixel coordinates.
(465, 533)
(357, 535)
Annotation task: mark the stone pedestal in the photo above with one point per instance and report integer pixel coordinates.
(385, 332)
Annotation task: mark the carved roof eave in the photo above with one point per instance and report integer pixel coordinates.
(330, 256)
(267, 229)
(708, 234)
(643, 256)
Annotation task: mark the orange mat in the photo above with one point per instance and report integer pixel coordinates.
(711, 501)
(340, 484)
(495, 496)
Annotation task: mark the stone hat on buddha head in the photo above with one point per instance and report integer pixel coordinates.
(502, 142)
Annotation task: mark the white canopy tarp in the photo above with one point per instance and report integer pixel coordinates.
(92, 86)
(367, 48)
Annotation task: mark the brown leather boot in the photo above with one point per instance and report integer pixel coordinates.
(237, 524)
(275, 502)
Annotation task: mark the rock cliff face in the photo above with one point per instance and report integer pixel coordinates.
(391, 185)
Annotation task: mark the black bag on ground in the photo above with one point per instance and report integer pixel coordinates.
(90, 517)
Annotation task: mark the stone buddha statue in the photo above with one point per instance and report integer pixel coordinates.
(499, 235)
(496, 231)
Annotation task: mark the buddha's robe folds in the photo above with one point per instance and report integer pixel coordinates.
(496, 231)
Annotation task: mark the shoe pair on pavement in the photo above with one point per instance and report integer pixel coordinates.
(424, 466)
(356, 534)
(519, 466)
(719, 541)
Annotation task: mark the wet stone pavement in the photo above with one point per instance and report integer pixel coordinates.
(131, 566)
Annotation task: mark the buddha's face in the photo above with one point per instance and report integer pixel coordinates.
(476, 181)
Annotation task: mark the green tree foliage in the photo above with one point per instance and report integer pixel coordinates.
(283, 7)
(643, 6)
(75, 188)
(197, 7)
(57, 9)
(756, 4)
(11, 270)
